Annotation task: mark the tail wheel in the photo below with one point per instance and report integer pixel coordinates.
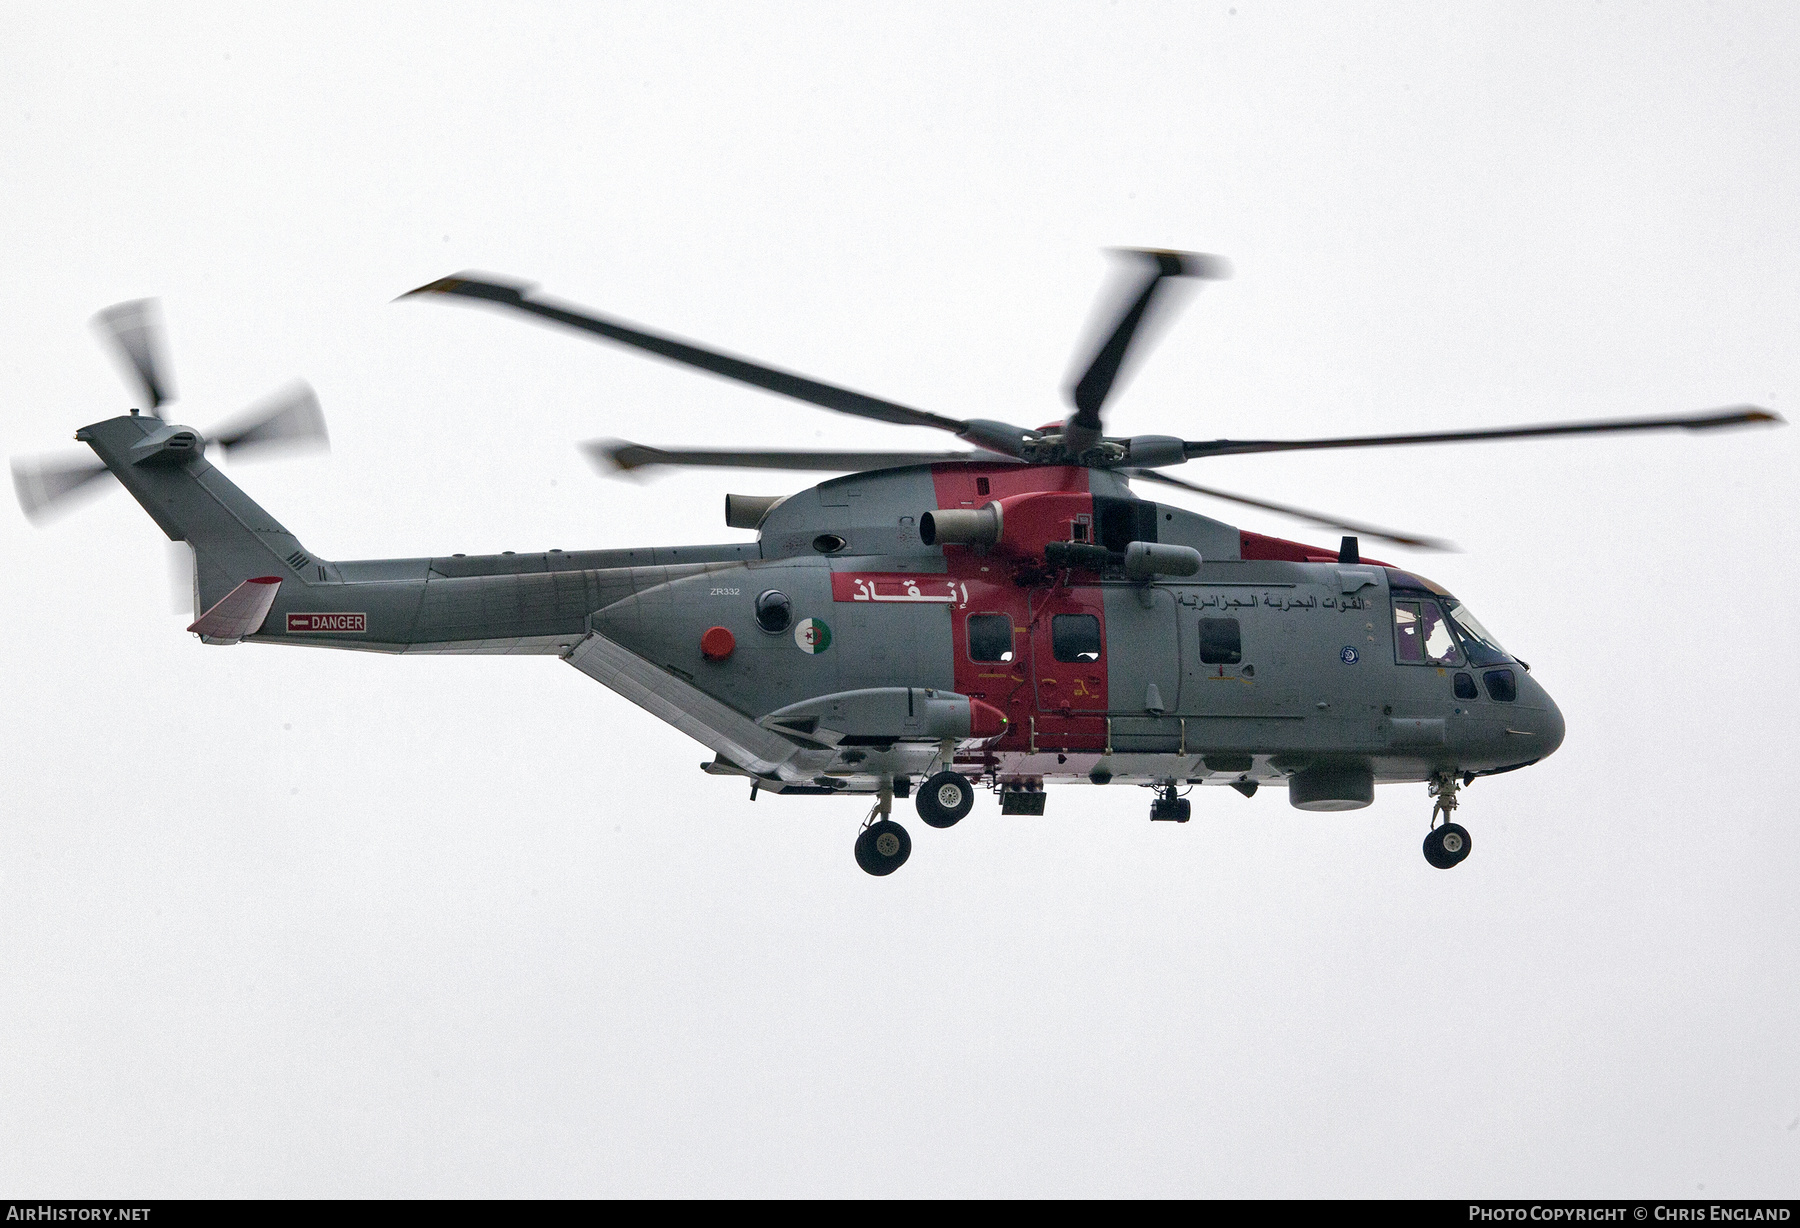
(882, 848)
(944, 799)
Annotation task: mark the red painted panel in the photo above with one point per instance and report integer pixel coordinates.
(957, 485)
(986, 585)
(1067, 688)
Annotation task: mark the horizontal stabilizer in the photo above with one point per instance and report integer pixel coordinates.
(238, 613)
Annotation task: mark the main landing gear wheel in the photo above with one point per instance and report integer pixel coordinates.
(883, 847)
(945, 798)
(1447, 845)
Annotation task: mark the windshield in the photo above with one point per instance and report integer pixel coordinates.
(1482, 647)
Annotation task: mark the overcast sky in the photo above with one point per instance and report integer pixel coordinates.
(283, 923)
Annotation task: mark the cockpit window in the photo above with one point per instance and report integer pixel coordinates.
(1483, 648)
(1422, 636)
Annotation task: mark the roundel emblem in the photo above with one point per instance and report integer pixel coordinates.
(812, 635)
(1348, 655)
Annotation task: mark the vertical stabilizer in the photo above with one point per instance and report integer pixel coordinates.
(234, 540)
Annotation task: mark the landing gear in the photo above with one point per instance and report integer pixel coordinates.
(1447, 843)
(1169, 808)
(944, 799)
(883, 847)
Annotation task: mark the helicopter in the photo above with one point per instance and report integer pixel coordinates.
(1008, 615)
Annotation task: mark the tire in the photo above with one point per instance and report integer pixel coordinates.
(944, 799)
(883, 847)
(1446, 846)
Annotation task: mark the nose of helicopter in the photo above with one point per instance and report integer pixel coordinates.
(1547, 725)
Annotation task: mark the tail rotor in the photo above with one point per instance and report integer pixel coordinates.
(288, 419)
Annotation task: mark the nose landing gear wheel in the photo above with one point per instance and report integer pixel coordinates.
(1446, 846)
(882, 848)
(944, 799)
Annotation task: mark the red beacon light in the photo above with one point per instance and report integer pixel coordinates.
(717, 643)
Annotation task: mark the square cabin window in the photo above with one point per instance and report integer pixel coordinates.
(1075, 637)
(1220, 642)
(990, 637)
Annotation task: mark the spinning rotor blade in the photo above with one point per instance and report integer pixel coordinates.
(1739, 415)
(290, 418)
(43, 484)
(1318, 518)
(134, 333)
(1089, 393)
(626, 457)
(770, 379)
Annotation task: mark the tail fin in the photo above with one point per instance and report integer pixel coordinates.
(165, 469)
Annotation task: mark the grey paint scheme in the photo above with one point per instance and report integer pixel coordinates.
(632, 619)
(1294, 699)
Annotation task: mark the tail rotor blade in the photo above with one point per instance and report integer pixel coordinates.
(290, 418)
(45, 485)
(134, 333)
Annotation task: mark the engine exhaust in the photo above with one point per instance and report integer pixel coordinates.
(951, 526)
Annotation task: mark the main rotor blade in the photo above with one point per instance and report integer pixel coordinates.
(770, 379)
(289, 418)
(1089, 393)
(44, 484)
(1318, 518)
(1740, 415)
(134, 333)
(625, 457)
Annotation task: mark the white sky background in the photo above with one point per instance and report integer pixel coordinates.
(291, 923)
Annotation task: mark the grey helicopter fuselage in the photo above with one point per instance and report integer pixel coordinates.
(849, 648)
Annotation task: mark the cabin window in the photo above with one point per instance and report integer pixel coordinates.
(774, 611)
(1464, 685)
(1075, 637)
(1422, 635)
(1221, 643)
(1502, 687)
(990, 637)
